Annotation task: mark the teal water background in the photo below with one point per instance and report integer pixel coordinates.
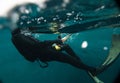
(15, 69)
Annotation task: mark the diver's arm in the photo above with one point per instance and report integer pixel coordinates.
(58, 41)
(31, 40)
(64, 39)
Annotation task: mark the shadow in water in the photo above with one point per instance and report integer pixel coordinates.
(117, 79)
(1, 81)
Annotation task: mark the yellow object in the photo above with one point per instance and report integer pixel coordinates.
(57, 47)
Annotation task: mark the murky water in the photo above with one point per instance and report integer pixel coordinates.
(91, 39)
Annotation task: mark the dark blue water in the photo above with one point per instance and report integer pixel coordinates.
(15, 69)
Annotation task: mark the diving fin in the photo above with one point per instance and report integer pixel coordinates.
(95, 78)
(114, 52)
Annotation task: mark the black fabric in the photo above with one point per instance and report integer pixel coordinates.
(29, 47)
(52, 55)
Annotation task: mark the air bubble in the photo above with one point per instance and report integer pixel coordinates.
(67, 19)
(33, 20)
(54, 19)
(36, 18)
(68, 14)
(27, 33)
(84, 44)
(105, 48)
(73, 12)
(45, 20)
(36, 35)
(60, 20)
(62, 25)
(40, 18)
(66, 1)
(24, 17)
(76, 18)
(75, 21)
(21, 23)
(24, 10)
(28, 22)
(27, 11)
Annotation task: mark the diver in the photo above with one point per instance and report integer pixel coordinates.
(48, 50)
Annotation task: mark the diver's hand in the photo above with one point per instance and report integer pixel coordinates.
(64, 39)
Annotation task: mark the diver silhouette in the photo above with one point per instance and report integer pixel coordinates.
(46, 51)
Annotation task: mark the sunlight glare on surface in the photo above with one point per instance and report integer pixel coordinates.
(7, 5)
